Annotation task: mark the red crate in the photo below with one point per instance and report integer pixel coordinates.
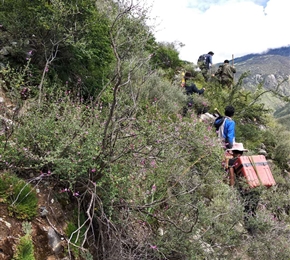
(263, 170)
(244, 167)
(256, 170)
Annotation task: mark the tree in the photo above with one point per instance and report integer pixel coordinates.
(64, 39)
(166, 56)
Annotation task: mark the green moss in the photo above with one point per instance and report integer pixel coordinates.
(25, 249)
(19, 195)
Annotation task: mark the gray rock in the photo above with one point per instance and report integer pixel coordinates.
(5, 50)
(43, 211)
(262, 152)
(54, 241)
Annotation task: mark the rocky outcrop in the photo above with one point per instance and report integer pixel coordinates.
(6, 247)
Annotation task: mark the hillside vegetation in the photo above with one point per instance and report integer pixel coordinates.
(93, 126)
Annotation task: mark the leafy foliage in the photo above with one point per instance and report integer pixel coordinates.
(165, 56)
(25, 248)
(146, 181)
(64, 39)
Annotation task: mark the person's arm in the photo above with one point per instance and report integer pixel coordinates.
(209, 60)
(196, 90)
(230, 133)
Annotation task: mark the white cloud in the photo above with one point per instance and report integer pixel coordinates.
(225, 27)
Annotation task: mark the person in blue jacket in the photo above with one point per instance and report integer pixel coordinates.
(226, 131)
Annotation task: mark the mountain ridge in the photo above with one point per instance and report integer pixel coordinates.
(272, 70)
(282, 51)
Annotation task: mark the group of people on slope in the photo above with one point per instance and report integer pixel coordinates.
(224, 74)
(233, 150)
(226, 133)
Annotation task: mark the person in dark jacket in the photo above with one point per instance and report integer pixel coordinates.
(191, 88)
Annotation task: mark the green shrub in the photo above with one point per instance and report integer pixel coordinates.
(164, 97)
(25, 248)
(20, 196)
(76, 235)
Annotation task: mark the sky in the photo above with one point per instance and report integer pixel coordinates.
(226, 27)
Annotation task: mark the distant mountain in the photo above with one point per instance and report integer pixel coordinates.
(267, 68)
(283, 51)
(270, 68)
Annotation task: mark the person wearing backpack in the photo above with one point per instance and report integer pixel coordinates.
(250, 197)
(225, 74)
(225, 127)
(204, 63)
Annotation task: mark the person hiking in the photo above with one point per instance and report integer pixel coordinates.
(225, 74)
(190, 88)
(250, 197)
(204, 63)
(226, 129)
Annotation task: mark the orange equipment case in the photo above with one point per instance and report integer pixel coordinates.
(256, 170)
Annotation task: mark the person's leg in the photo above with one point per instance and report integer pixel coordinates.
(227, 82)
(205, 74)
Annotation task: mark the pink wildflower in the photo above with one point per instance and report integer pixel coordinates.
(153, 163)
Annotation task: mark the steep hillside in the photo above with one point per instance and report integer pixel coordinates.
(103, 158)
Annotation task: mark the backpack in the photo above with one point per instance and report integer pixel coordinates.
(218, 122)
(220, 126)
(202, 58)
